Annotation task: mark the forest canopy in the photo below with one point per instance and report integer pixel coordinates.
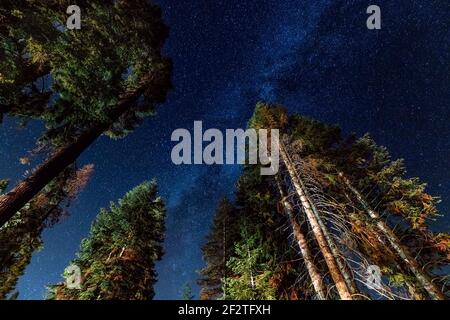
(339, 206)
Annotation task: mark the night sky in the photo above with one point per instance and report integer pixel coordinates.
(316, 57)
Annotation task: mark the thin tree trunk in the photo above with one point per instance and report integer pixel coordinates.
(252, 280)
(330, 260)
(346, 272)
(25, 190)
(434, 292)
(414, 292)
(313, 271)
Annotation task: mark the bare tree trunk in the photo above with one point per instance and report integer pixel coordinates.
(412, 289)
(330, 259)
(154, 85)
(313, 271)
(252, 280)
(343, 267)
(24, 191)
(434, 292)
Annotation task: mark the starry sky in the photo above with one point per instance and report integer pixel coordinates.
(317, 57)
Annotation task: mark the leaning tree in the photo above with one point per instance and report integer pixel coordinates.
(349, 210)
(102, 79)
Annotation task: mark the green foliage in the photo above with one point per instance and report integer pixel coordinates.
(264, 235)
(187, 292)
(312, 136)
(268, 116)
(22, 235)
(370, 167)
(251, 269)
(117, 260)
(218, 249)
(22, 24)
(71, 81)
(324, 156)
(3, 185)
(116, 51)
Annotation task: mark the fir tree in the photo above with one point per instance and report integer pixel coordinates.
(218, 249)
(117, 260)
(116, 78)
(273, 258)
(22, 235)
(252, 275)
(348, 205)
(317, 158)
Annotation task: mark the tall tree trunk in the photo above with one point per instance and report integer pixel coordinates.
(343, 267)
(25, 190)
(413, 291)
(252, 279)
(330, 259)
(434, 292)
(412, 288)
(313, 271)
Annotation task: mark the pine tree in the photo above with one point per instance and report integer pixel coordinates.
(318, 158)
(348, 206)
(252, 280)
(117, 260)
(23, 26)
(256, 208)
(22, 235)
(313, 271)
(218, 249)
(116, 78)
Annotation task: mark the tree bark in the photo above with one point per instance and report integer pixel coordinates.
(25, 190)
(330, 259)
(434, 292)
(412, 289)
(252, 280)
(313, 271)
(343, 267)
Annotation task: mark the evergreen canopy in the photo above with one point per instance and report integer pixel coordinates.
(341, 200)
(117, 259)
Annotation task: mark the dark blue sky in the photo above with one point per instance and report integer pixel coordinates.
(316, 57)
